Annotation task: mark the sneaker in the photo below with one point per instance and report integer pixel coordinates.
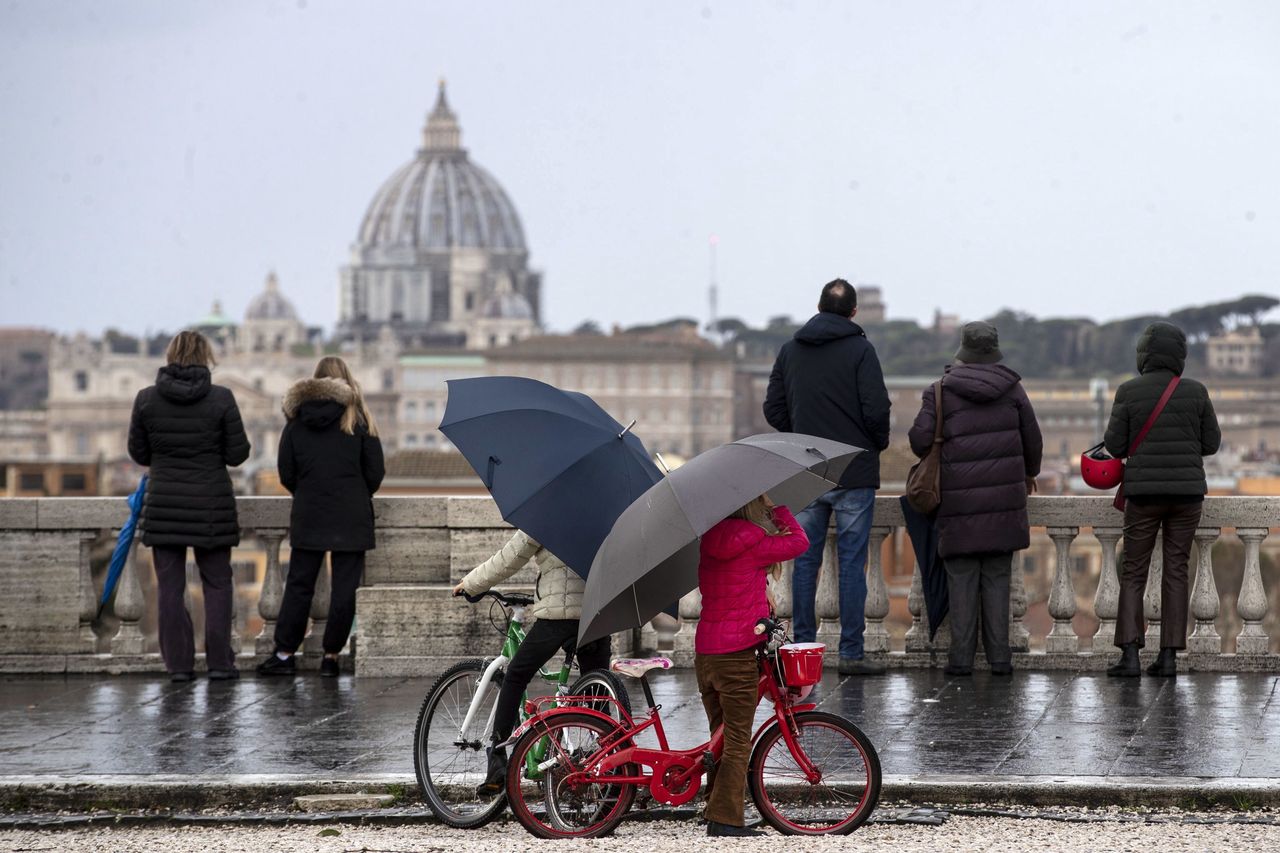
(329, 667)
(496, 779)
(274, 666)
(224, 675)
(728, 830)
(181, 677)
(859, 666)
(956, 669)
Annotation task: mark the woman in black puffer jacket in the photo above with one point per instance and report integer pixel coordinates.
(330, 458)
(188, 430)
(1164, 487)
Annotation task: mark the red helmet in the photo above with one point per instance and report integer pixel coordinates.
(1100, 469)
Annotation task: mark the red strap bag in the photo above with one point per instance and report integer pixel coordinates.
(1118, 503)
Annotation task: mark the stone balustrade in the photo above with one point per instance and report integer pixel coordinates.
(408, 623)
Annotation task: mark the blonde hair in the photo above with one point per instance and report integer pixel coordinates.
(761, 515)
(190, 348)
(332, 367)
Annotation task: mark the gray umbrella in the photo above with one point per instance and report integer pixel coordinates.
(650, 557)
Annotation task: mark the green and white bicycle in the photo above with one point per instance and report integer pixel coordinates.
(456, 720)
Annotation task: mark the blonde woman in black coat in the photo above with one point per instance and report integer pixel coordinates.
(330, 459)
(187, 431)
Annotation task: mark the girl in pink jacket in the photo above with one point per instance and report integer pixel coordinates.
(736, 558)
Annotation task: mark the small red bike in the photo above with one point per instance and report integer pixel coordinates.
(810, 772)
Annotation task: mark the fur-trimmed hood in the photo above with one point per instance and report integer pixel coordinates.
(327, 390)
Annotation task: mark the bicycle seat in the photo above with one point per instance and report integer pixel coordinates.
(636, 667)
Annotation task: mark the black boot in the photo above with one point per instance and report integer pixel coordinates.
(728, 830)
(1129, 665)
(496, 779)
(1166, 664)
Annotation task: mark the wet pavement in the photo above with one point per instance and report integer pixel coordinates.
(1205, 725)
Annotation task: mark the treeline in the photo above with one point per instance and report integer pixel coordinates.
(1041, 348)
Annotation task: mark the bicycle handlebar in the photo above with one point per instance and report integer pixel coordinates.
(770, 626)
(505, 600)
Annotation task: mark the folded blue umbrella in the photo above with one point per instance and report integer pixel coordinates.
(123, 543)
(559, 467)
(933, 577)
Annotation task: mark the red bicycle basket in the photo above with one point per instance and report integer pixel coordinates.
(801, 663)
(1099, 469)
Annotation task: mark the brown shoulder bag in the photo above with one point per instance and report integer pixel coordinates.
(924, 482)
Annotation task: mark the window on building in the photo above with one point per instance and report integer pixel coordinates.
(82, 380)
(31, 481)
(431, 410)
(82, 443)
(410, 440)
(410, 411)
(73, 482)
(388, 380)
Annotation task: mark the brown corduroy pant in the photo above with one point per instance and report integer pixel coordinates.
(728, 684)
(1142, 522)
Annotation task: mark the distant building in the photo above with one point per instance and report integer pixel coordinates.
(1236, 353)
(24, 367)
(871, 307)
(440, 256)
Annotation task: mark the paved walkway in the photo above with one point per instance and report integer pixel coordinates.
(1057, 728)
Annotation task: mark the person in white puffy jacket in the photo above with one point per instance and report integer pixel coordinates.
(557, 606)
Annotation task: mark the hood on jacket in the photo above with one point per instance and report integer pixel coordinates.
(826, 326)
(731, 537)
(184, 384)
(318, 403)
(981, 383)
(1162, 346)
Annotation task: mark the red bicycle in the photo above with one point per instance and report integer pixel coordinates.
(810, 772)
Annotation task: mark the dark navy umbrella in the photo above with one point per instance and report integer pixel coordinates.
(123, 543)
(558, 466)
(933, 577)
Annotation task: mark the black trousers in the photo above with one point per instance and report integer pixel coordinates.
(979, 588)
(177, 636)
(300, 588)
(1142, 522)
(545, 638)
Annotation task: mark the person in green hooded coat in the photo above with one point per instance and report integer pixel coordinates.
(1164, 487)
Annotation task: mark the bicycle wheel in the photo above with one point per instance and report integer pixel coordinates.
(550, 806)
(602, 682)
(450, 763)
(840, 801)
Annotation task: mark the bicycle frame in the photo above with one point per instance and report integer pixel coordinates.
(676, 774)
(515, 636)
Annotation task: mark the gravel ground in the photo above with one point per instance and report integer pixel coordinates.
(959, 833)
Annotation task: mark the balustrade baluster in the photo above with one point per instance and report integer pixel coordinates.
(129, 608)
(690, 610)
(1062, 637)
(272, 594)
(88, 594)
(918, 634)
(313, 643)
(1252, 603)
(1019, 636)
(827, 603)
(875, 636)
(1106, 602)
(1205, 602)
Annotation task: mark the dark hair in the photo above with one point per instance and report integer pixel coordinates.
(838, 297)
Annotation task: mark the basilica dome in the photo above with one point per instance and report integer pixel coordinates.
(440, 200)
(270, 304)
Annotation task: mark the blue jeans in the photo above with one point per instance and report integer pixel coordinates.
(853, 509)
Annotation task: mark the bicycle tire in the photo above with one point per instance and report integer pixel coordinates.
(603, 682)
(544, 790)
(834, 819)
(447, 800)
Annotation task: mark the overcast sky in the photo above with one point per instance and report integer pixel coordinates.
(1063, 158)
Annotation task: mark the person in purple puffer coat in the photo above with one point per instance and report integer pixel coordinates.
(990, 458)
(736, 558)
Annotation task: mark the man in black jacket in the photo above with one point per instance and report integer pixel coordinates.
(827, 382)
